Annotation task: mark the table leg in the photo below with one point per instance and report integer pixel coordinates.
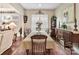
(27, 51)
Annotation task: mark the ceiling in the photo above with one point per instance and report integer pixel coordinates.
(5, 7)
(40, 5)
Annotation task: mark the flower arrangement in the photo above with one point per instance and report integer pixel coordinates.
(64, 26)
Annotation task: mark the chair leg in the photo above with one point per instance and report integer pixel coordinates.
(44, 53)
(27, 51)
(48, 51)
(71, 51)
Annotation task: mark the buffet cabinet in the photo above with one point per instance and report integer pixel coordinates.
(76, 38)
(64, 36)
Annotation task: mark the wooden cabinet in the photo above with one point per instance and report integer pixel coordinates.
(67, 36)
(75, 38)
(53, 26)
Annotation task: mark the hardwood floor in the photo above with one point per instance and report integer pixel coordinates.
(14, 46)
(15, 49)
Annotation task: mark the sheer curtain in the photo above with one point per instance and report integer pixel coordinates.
(43, 19)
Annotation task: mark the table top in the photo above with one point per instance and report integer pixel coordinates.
(28, 38)
(49, 45)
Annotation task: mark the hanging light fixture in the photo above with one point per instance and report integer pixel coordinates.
(39, 12)
(39, 22)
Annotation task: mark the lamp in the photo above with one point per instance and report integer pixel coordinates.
(12, 25)
(75, 20)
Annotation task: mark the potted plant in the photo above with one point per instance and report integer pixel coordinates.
(64, 26)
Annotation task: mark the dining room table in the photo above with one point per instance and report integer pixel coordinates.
(50, 44)
(26, 44)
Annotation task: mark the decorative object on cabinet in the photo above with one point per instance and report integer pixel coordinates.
(53, 26)
(75, 20)
(64, 26)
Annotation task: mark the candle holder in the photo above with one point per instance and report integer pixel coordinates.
(75, 20)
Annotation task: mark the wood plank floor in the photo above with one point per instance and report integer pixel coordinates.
(15, 49)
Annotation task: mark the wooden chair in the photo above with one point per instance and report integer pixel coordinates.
(56, 32)
(27, 32)
(67, 35)
(39, 44)
(59, 35)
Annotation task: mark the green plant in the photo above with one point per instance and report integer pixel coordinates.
(64, 26)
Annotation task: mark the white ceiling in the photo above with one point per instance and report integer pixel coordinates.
(6, 7)
(40, 5)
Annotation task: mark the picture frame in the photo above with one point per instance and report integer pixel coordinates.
(25, 19)
(66, 16)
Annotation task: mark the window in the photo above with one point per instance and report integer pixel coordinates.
(43, 19)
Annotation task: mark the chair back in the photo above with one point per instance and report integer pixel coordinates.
(38, 44)
(59, 34)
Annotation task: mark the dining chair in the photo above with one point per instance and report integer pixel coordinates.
(59, 35)
(39, 44)
(67, 35)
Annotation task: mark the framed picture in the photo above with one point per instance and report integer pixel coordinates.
(66, 17)
(25, 19)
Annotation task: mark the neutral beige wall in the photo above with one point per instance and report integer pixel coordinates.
(77, 11)
(63, 8)
(18, 8)
(29, 13)
(59, 12)
(70, 8)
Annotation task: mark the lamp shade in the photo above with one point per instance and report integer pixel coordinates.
(12, 25)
